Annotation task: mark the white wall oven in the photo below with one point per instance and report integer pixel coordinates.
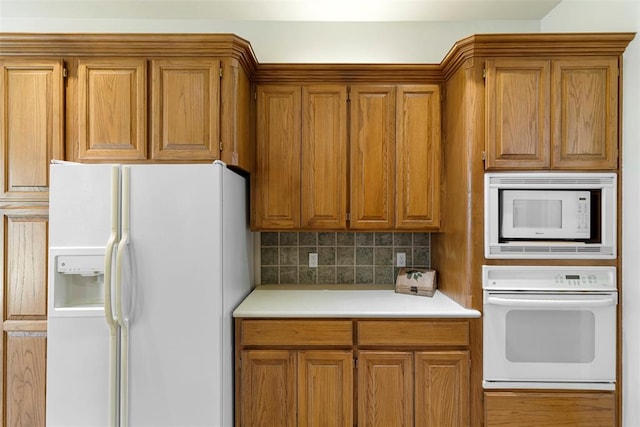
(551, 327)
(550, 215)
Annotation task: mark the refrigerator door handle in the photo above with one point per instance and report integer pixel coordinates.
(124, 326)
(108, 308)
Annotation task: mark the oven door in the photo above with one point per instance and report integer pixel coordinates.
(549, 340)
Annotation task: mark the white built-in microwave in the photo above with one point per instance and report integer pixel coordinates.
(549, 215)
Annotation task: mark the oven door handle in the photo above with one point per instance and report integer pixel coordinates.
(558, 303)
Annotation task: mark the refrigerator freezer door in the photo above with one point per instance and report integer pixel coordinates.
(77, 372)
(77, 333)
(79, 209)
(173, 297)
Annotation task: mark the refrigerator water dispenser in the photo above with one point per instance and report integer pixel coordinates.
(79, 281)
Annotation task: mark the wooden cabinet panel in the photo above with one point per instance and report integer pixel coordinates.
(324, 157)
(236, 127)
(185, 106)
(442, 389)
(325, 388)
(297, 332)
(277, 201)
(418, 157)
(372, 156)
(412, 333)
(367, 188)
(385, 389)
(552, 113)
(25, 379)
(517, 113)
(25, 257)
(534, 409)
(111, 109)
(413, 387)
(31, 125)
(268, 396)
(585, 113)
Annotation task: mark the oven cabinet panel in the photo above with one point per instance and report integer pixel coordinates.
(535, 409)
(552, 113)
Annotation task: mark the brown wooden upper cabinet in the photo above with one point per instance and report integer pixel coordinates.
(319, 162)
(552, 113)
(301, 157)
(199, 110)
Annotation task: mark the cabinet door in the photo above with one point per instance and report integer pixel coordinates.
(24, 314)
(276, 187)
(585, 113)
(418, 157)
(25, 376)
(442, 388)
(185, 109)
(324, 157)
(268, 388)
(372, 142)
(385, 389)
(111, 109)
(517, 114)
(31, 125)
(325, 388)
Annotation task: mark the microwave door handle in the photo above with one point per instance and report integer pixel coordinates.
(542, 303)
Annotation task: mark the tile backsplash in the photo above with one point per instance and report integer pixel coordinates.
(343, 257)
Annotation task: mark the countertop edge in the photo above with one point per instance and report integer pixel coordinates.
(328, 302)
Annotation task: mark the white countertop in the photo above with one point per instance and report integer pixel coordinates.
(282, 301)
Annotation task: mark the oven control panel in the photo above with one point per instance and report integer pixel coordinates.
(577, 279)
(570, 278)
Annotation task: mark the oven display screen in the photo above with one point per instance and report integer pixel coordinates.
(572, 276)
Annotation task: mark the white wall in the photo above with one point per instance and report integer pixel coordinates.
(302, 42)
(573, 15)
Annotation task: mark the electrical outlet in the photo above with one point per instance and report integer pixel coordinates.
(401, 259)
(313, 259)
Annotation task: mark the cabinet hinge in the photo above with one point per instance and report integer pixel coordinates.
(484, 156)
(348, 216)
(220, 72)
(220, 145)
(484, 74)
(355, 363)
(65, 72)
(255, 95)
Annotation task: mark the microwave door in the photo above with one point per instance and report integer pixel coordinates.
(544, 215)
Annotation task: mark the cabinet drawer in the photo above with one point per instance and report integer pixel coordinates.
(413, 332)
(297, 332)
(567, 408)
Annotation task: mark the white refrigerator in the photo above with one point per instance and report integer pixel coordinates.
(146, 264)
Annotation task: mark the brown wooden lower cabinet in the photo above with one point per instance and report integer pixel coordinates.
(301, 372)
(315, 385)
(553, 408)
(422, 388)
